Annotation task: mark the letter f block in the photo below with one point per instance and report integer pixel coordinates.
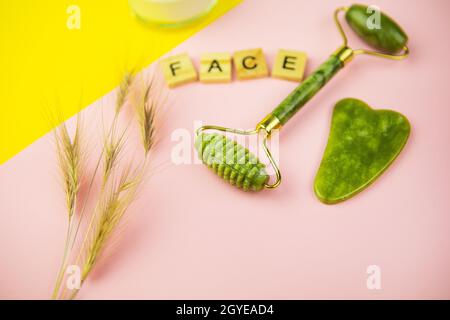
(178, 70)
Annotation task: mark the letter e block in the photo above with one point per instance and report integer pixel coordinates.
(289, 65)
(178, 70)
(250, 64)
(215, 67)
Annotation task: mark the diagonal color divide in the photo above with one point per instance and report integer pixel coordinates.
(45, 67)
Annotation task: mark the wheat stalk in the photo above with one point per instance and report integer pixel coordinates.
(123, 90)
(112, 208)
(112, 148)
(117, 196)
(146, 109)
(69, 159)
(70, 154)
(113, 143)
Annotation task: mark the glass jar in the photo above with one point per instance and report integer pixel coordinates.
(171, 13)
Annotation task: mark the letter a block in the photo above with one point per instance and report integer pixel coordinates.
(178, 70)
(215, 67)
(289, 65)
(250, 64)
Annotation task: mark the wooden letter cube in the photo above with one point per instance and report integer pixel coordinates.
(250, 64)
(289, 65)
(178, 70)
(215, 67)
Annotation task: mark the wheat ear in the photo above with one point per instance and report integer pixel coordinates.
(147, 108)
(70, 154)
(111, 209)
(123, 90)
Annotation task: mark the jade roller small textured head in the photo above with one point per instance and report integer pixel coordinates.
(236, 164)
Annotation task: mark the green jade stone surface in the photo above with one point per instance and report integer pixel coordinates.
(362, 144)
(388, 36)
(305, 91)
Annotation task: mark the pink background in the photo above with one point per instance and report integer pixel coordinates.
(192, 236)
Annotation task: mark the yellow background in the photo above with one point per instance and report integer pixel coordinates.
(45, 67)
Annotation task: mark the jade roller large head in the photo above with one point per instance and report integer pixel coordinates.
(235, 164)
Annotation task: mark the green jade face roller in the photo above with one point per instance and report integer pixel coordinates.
(235, 164)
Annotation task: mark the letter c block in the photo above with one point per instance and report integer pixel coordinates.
(250, 64)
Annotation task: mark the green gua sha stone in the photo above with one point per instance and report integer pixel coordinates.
(362, 144)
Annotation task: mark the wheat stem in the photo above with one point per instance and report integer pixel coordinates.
(63, 263)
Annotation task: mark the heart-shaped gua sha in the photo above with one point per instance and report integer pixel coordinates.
(362, 144)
